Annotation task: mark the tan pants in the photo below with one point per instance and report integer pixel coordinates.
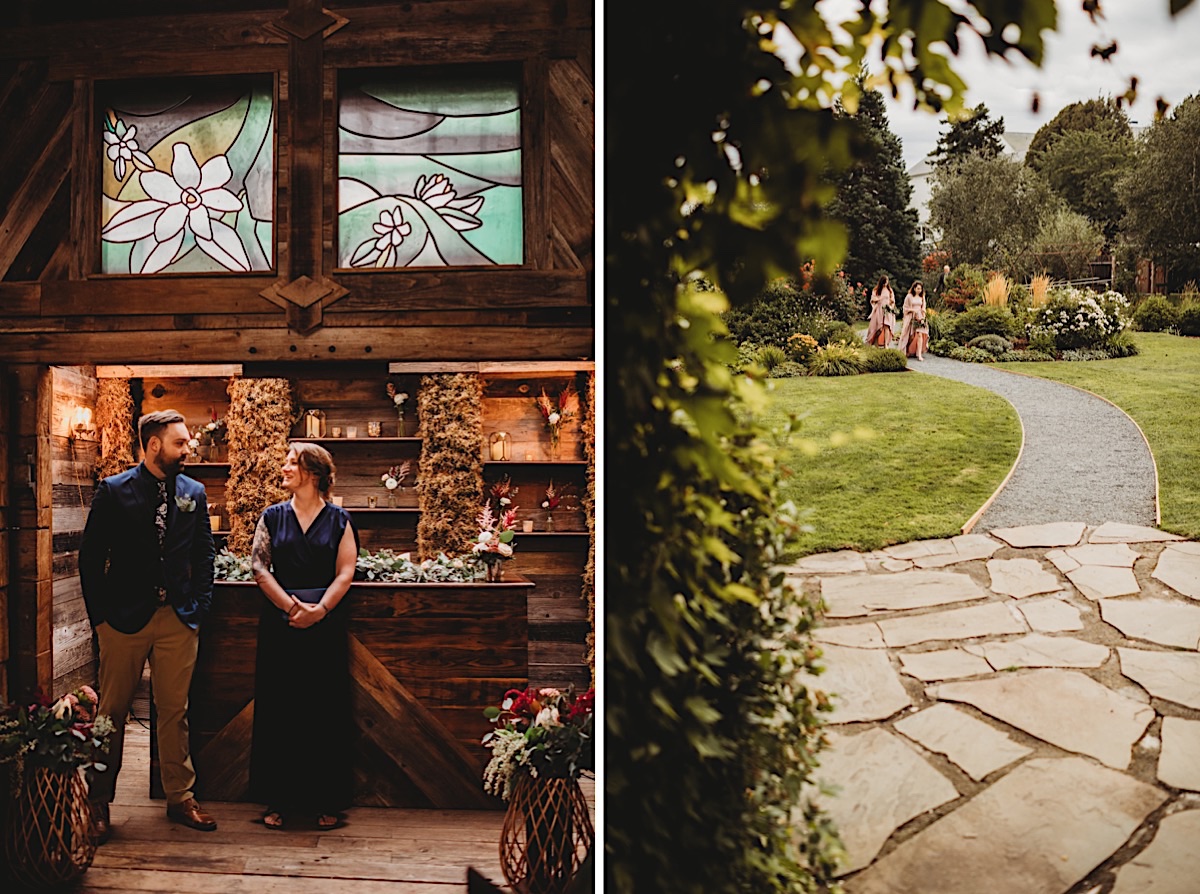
(171, 647)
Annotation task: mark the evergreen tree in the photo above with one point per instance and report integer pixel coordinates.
(1102, 116)
(976, 134)
(873, 200)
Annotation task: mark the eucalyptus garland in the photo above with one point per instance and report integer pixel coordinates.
(450, 484)
(259, 423)
(589, 506)
(114, 418)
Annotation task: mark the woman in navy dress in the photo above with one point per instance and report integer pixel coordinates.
(300, 757)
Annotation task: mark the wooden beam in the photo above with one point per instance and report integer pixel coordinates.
(330, 344)
(35, 195)
(535, 160)
(306, 143)
(20, 299)
(84, 235)
(486, 366)
(176, 371)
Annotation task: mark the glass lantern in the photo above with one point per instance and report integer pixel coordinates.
(314, 424)
(500, 447)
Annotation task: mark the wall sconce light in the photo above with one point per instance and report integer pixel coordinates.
(81, 425)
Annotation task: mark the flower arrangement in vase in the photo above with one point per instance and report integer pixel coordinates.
(494, 544)
(398, 398)
(551, 502)
(556, 413)
(64, 735)
(393, 479)
(502, 493)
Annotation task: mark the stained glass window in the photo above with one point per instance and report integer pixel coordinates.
(189, 175)
(429, 170)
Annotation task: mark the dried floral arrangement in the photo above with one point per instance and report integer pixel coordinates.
(449, 407)
(588, 431)
(114, 418)
(258, 425)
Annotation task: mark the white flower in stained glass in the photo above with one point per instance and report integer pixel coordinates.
(438, 193)
(123, 148)
(391, 230)
(187, 199)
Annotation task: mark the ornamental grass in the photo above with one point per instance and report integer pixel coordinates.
(995, 293)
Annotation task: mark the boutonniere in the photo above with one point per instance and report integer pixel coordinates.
(185, 504)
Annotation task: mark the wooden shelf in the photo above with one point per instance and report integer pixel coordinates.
(192, 465)
(355, 440)
(535, 462)
(520, 534)
(382, 509)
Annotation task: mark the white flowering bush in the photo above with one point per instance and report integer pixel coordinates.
(390, 567)
(1075, 319)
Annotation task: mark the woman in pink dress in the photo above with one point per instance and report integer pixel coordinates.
(881, 326)
(914, 337)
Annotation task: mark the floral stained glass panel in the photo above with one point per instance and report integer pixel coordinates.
(429, 171)
(189, 176)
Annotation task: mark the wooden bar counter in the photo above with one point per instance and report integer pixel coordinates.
(425, 660)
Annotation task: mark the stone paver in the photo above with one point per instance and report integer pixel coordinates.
(1116, 532)
(1021, 577)
(855, 595)
(1050, 534)
(858, 636)
(1050, 615)
(1064, 716)
(1174, 676)
(1038, 830)
(1100, 723)
(971, 744)
(861, 683)
(881, 784)
(1168, 864)
(1103, 581)
(1179, 761)
(942, 664)
(842, 562)
(1179, 568)
(991, 619)
(1118, 555)
(1039, 650)
(1155, 620)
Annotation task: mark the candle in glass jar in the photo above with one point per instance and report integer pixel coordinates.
(351, 431)
(497, 450)
(527, 526)
(312, 426)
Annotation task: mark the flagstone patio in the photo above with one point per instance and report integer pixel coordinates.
(1016, 712)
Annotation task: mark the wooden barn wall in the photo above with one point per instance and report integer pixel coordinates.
(53, 305)
(5, 514)
(73, 465)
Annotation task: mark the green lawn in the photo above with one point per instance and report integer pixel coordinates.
(887, 458)
(1160, 389)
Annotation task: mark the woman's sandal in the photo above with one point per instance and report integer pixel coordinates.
(328, 821)
(273, 819)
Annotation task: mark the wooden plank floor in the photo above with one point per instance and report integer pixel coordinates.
(377, 850)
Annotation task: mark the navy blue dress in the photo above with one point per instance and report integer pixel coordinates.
(301, 754)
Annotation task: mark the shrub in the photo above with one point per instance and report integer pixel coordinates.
(789, 369)
(1077, 319)
(964, 286)
(1155, 314)
(972, 355)
(842, 333)
(993, 344)
(747, 355)
(1042, 343)
(802, 346)
(1023, 357)
(883, 360)
(770, 356)
(1018, 296)
(788, 306)
(1121, 345)
(836, 359)
(1189, 321)
(1084, 354)
(942, 347)
(983, 320)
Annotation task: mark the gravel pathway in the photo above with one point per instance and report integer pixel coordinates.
(1084, 459)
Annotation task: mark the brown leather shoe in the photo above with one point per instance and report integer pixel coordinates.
(189, 814)
(100, 822)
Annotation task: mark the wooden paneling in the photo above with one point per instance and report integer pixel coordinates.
(425, 660)
(73, 470)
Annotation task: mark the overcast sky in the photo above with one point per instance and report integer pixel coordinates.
(1163, 53)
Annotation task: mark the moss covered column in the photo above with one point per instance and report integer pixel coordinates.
(450, 482)
(259, 424)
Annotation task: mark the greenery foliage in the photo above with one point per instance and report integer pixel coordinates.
(993, 344)
(964, 287)
(451, 482)
(1161, 192)
(114, 420)
(258, 425)
(942, 347)
(972, 355)
(770, 356)
(837, 359)
(704, 639)
(790, 305)
(975, 134)
(884, 360)
(1065, 242)
(1076, 319)
(983, 320)
(1083, 167)
(1189, 320)
(1155, 314)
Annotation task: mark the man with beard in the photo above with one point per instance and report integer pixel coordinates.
(146, 569)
